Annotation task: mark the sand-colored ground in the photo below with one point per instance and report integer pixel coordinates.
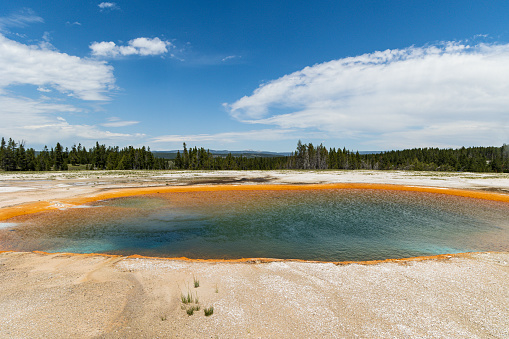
(63, 296)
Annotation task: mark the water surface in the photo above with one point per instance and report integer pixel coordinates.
(328, 225)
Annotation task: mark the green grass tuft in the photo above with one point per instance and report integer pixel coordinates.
(208, 311)
(189, 299)
(186, 299)
(190, 310)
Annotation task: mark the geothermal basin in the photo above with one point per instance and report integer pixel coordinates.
(335, 223)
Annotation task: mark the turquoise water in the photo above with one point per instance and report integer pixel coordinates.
(328, 225)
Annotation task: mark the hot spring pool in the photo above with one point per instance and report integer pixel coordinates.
(325, 225)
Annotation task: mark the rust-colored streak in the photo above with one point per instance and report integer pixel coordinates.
(41, 206)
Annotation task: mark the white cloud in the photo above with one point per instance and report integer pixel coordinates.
(35, 65)
(230, 57)
(20, 19)
(41, 121)
(117, 122)
(108, 6)
(233, 137)
(394, 97)
(139, 46)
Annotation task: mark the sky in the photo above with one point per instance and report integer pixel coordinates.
(255, 75)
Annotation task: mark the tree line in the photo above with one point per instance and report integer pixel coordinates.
(15, 157)
(471, 159)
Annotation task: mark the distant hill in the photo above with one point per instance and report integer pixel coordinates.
(370, 152)
(246, 154)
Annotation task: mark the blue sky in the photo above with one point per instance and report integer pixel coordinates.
(237, 75)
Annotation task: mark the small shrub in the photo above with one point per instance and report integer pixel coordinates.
(190, 310)
(196, 282)
(208, 311)
(186, 299)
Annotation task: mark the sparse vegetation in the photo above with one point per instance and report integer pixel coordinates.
(191, 303)
(188, 298)
(208, 311)
(190, 310)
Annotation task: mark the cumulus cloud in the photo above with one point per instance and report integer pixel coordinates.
(35, 65)
(139, 46)
(108, 6)
(40, 120)
(449, 94)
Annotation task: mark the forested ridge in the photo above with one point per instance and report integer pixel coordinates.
(14, 156)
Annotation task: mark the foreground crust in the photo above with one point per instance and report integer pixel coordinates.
(60, 295)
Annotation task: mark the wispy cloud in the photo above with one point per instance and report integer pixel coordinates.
(230, 57)
(232, 137)
(418, 96)
(139, 46)
(39, 122)
(108, 6)
(117, 122)
(22, 18)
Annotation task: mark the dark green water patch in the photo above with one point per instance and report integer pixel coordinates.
(328, 225)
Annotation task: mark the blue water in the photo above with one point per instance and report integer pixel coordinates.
(328, 225)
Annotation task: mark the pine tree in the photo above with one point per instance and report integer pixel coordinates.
(9, 158)
(58, 157)
(21, 162)
(178, 160)
(2, 153)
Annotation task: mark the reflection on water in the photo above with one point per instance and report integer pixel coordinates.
(329, 225)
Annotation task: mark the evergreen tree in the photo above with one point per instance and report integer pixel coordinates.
(21, 161)
(9, 157)
(178, 161)
(185, 160)
(58, 157)
(31, 162)
(2, 153)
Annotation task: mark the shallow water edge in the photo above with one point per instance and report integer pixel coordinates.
(251, 261)
(41, 206)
